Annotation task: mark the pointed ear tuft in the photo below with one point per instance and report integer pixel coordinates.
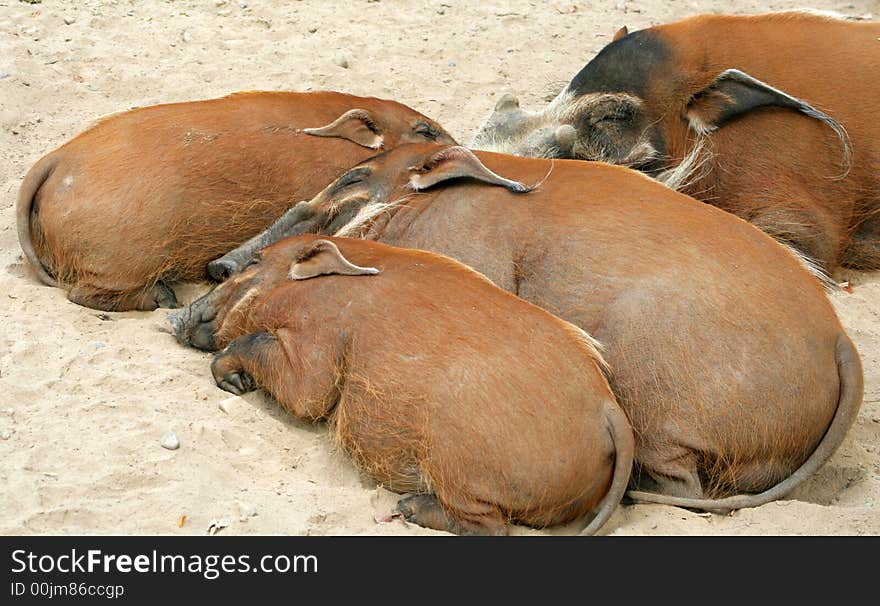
(622, 32)
(732, 94)
(323, 257)
(454, 162)
(358, 125)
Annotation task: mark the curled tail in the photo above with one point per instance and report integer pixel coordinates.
(849, 370)
(35, 178)
(624, 447)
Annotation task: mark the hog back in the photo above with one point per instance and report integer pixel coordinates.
(721, 346)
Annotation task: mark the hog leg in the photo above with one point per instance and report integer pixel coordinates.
(463, 517)
(274, 362)
(157, 295)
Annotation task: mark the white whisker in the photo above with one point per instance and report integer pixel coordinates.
(358, 226)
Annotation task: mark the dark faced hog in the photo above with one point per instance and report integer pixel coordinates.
(724, 350)
(434, 380)
(772, 117)
(149, 196)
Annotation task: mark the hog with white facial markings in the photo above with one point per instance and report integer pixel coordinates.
(724, 351)
(434, 380)
(771, 117)
(149, 196)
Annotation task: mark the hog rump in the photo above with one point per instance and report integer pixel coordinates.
(148, 196)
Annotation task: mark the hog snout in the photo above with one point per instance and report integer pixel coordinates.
(506, 128)
(506, 103)
(565, 137)
(194, 325)
(220, 269)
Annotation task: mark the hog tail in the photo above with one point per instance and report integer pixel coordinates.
(624, 447)
(849, 369)
(35, 178)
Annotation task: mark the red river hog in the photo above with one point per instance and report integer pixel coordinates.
(149, 196)
(772, 117)
(436, 382)
(724, 350)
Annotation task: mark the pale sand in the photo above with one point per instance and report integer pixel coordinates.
(86, 397)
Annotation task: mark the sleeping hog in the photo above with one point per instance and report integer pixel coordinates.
(772, 117)
(724, 351)
(148, 196)
(435, 381)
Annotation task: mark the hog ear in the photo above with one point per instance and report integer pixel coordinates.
(621, 33)
(455, 162)
(322, 257)
(358, 125)
(734, 93)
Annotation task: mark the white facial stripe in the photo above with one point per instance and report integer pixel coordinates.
(589, 102)
(364, 217)
(248, 296)
(693, 167)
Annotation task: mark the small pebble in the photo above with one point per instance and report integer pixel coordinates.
(186, 36)
(312, 30)
(246, 510)
(341, 61)
(69, 20)
(3, 75)
(6, 435)
(170, 441)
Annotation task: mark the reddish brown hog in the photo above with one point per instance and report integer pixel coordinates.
(149, 196)
(772, 117)
(435, 381)
(724, 350)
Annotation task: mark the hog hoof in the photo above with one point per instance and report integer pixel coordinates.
(236, 382)
(221, 269)
(409, 507)
(425, 510)
(164, 297)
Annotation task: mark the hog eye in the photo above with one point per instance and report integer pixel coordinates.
(345, 181)
(251, 262)
(618, 115)
(423, 129)
(354, 177)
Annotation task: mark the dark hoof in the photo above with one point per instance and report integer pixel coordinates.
(410, 507)
(237, 383)
(164, 297)
(221, 269)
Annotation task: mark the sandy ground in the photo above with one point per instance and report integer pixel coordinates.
(85, 397)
